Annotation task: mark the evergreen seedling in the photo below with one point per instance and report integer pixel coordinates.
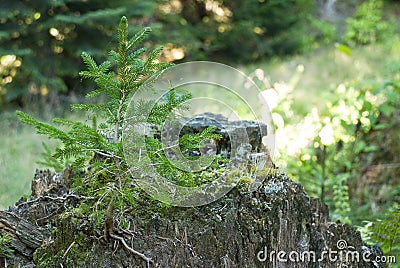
(99, 145)
(96, 149)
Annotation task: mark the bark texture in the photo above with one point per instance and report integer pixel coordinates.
(243, 229)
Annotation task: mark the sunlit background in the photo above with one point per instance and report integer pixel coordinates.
(328, 69)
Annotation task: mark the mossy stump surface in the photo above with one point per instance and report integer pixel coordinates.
(50, 230)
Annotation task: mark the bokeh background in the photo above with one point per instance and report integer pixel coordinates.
(329, 69)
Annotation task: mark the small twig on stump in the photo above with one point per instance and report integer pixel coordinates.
(68, 249)
(109, 232)
(57, 198)
(144, 257)
(184, 236)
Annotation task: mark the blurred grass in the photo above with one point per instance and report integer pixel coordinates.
(324, 70)
(20, 148)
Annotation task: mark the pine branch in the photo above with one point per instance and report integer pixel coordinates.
(138, 38)
(43, 128)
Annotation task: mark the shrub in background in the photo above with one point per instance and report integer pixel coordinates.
(349, 155)
(367, 25)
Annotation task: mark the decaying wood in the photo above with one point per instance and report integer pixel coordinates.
(25, 236)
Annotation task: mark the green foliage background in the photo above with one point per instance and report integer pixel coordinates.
(47, 37)
(223, 30)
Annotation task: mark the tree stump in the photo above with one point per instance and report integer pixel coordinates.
(275, 224)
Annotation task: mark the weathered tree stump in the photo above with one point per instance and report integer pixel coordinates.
(231, 131)
(273, 225)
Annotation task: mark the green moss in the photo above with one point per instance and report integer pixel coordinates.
(5, 243)
(69, 247)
